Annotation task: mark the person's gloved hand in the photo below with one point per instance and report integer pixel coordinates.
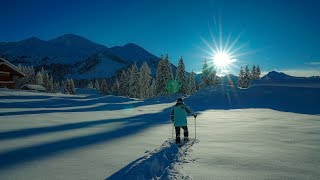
(195, 116)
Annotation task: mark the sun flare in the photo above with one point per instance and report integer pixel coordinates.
(222, 59)
(222, 54)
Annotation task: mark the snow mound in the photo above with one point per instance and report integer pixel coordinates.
(289, 99)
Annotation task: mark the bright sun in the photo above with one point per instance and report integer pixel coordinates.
(222, 59)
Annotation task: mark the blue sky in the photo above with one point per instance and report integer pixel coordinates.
(277, 35)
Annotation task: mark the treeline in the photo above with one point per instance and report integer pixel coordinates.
(44, 79)
(138, 82)
(246, 76)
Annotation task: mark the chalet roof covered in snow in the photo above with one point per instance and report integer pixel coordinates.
(16, 70)
(33, 87)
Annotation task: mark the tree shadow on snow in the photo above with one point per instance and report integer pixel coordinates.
(132, 125)
(101, 103)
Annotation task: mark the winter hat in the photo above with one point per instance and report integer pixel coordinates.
(179, 100)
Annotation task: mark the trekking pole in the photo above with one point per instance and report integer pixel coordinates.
(172, 131)
(195, 127)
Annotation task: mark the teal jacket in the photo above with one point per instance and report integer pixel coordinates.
(179, 114)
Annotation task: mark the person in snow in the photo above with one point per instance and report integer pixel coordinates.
(179, 117)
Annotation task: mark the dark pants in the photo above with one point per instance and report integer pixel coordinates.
(185, 133)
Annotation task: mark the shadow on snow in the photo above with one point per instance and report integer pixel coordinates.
(132, 125)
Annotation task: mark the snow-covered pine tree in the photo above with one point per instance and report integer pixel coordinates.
(241, 78)
(65, 86)
(258, 72)
(124, 84)
(39, 78)
(181, 77)
(153, 86)
(96, 84)
(213, 78)
(30, 76)
(160, 79)
(254, 72)
(247, 77)
(168, 69)
(103, 87)
(56, 87)
(115, 88)
(192, 84)
(90, 85)
(170, 84)
(46, 82)
(50, 85)
(134, 81)
(70, 84)
(144, 81)
(209, 76)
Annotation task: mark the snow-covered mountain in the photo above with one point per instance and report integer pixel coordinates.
(133, 53)
(274, 75)
(74, 56)
(66, 49)
(282, 79)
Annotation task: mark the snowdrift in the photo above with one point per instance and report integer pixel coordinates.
(283, 98)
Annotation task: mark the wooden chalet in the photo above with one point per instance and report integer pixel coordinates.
(8, 74)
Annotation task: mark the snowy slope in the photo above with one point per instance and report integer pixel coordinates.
(55, 136)
(104, 64)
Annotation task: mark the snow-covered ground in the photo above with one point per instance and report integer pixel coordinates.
(45, 136)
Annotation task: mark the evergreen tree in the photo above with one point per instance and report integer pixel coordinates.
(153, 88)
(168, 69)
(68, 86)
(46, 81)
(171, 86)
(96, 84)
(39, 78)
(144, 81)
(90, 85)
(134, 81)
(241, 78)
(71, 86)
(103, 87)
(160, 77)
(192, 84)
(56, 87)
(209, 76)
(50, 85)
(124, 84)
(116, 88)
(247, 77)
(254, 72)
(181, 77)
(258, 72)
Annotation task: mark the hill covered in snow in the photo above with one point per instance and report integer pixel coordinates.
(73, 56)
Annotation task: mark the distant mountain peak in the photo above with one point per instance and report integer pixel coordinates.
(133, 52)
(131, 45)
(31, 39)
(276, 75)
(71, 38)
